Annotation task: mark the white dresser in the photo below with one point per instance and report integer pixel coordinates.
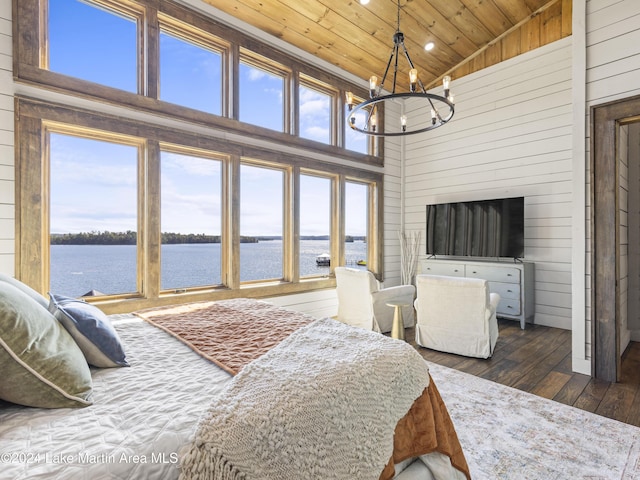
(514, 282)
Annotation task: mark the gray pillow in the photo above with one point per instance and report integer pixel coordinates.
(24, 288)
(41, 364)
(91, 329)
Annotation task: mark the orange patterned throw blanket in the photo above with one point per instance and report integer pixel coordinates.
(232, 333)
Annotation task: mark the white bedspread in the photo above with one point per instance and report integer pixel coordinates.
(136, 425)
(325, 401)
(142, 416)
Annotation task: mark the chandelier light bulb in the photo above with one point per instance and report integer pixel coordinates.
(450, 98)
(433, 117)
(373, 85)
(445, 84)
(403, 122)
(413, 78)
(350, 101)
(373, 122)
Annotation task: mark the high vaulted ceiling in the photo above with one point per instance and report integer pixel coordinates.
(468, 34)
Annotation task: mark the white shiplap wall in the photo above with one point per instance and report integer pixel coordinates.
(612, 73)
(7, 177)
(393, 192)
(511, 136)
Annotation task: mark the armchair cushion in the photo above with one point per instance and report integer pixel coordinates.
(362, 303)
(456, 315)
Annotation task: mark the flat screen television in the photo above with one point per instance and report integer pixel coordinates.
(485, 228)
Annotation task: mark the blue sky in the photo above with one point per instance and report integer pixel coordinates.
(93, 183)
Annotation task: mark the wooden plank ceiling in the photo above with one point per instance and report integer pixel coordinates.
(468, 34)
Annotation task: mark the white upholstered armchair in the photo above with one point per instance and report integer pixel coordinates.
(362, 303)
(456, 315)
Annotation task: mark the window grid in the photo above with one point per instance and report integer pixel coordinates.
(54, 128)
(259, 62)
(332, 94)
(149, 211)
(36, 117)
(195, 36)
(124, 9)
(151, 21)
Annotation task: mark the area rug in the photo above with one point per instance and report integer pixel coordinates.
(509, 434)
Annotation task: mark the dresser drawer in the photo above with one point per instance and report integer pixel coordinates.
(442, 268)
(505, 290)
(509, 306)
(494, 274)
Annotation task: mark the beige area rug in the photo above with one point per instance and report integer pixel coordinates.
(509, 434)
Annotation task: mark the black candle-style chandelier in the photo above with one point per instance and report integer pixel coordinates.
(441, 106)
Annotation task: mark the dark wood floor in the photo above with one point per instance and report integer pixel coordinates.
(538, 360)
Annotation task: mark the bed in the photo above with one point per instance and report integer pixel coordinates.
(142, 419)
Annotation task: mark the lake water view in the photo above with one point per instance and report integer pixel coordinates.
(111, 269)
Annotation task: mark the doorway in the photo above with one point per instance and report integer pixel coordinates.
(614, 241)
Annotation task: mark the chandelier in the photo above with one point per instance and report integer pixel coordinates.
(441, 106)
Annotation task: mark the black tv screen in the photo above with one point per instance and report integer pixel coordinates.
(485, 228)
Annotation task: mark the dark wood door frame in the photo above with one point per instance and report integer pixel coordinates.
(605, 304)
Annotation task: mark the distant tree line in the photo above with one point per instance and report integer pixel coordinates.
(129, 238)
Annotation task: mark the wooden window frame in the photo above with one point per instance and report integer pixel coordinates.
(52, 127)
(335, 115)
(34, 117)
(224, 214)
(334, 212)
(261, 62)
(200, 38)
(124, 8)
(29, 56)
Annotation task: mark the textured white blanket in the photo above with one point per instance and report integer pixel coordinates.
(321, 405)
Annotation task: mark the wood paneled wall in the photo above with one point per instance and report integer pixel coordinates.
(552, 24)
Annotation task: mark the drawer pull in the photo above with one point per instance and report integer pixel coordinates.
(510, 291)
(509, 275)
(475, 271)
(456, 270)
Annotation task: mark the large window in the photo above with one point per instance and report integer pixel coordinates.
(315, 225)
(162, 54)
(316, 113)
(190, 70)
(191, 213)
(143, 218)
(356, 224)
(262, 84)
(180, 135)
(261, 223)
(354, 140)
(94, 43)
(93, 216)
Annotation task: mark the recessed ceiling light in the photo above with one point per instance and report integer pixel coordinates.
(428, 46)
(364, 2)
